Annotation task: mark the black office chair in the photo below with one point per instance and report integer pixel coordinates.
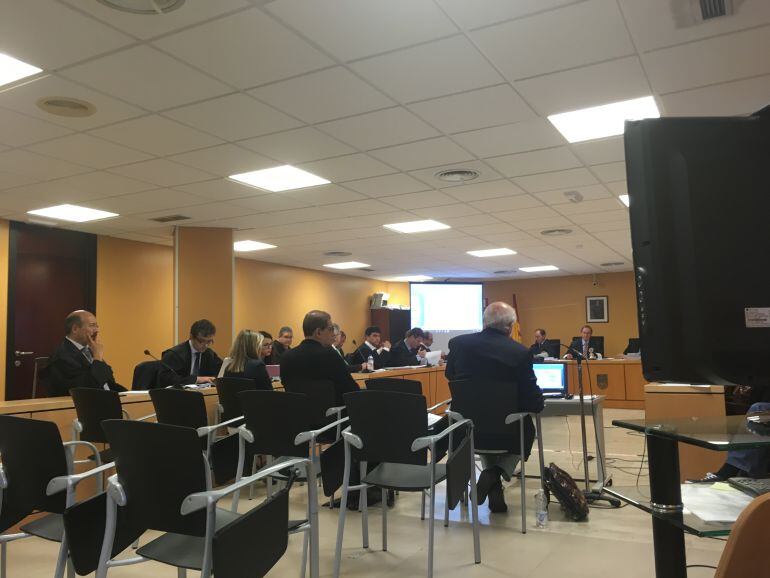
(162, 484)
(36, 469)
(181, 407)
(146, 375)
(228, 389)
(390, 429)
(553, 347)
(93, 406)
(493, 407)
(634, 346)
(394, 384)
(323, 407)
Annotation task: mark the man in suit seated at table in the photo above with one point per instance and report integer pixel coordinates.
(316, 359)
(192, 361)
(282, 344)
(407, 351)
(541, 347)
(492, 354)
(586, 344)
(373, 345)
(79, 359)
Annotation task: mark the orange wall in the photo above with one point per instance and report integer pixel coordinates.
(134, 302)
(4, 237)
(204, 282)
(268, 296)
(558, 304)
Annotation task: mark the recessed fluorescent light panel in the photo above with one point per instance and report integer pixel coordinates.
(347, 265)
(72, 213)
(243, 246)
(283, 178)
(603, 121)
(411, 279)
(624, 199)
(417, 226)
(492, 252)
(12, 69)
(538, 269)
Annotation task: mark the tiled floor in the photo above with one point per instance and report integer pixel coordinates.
(611, 543)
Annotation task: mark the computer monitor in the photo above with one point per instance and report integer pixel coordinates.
(551, 378)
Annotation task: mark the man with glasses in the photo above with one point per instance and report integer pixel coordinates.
(192, 361)
(315, 358)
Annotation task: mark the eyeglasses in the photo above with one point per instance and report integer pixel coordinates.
(204, 340)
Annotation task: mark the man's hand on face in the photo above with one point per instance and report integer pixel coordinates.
(386, 344)
(97, 349)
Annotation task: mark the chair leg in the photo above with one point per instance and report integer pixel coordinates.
(181, 573)
(343, 511)
(431, 527)
(305, 542)
(363, 504)
(70, 569)
(422, 505)
(61, 559)
(474, 507)
(3, 554)
(384, 520)
(523, 461)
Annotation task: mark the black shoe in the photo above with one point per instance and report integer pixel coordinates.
(487, 480)
(497, 503)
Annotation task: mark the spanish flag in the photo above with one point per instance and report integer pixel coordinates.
(516, 333)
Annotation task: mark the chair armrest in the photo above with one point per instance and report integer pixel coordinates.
(306, 436)
(206, 430)
(3, 479)
(439, 404)
(61, 483)
(200, 500)
(454, 415)
(125, 414)
(428, 441)
(353, 439)
(332, 410)
(144, 417)
(73, 443)
(512, 417)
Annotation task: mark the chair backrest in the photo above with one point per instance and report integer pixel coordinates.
(553, 346)
(634, 344)
(228, 389)
(93, 406)
(387, 422)
(146, 375)
(744, 553)
(394, 384)
(32, 454)
(179, 407)
(275, 418)
(321, 395)
(487, 403)
(159, 465)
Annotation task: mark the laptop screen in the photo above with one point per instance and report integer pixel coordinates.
(551, 377)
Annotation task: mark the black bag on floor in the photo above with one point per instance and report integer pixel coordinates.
(563, 487)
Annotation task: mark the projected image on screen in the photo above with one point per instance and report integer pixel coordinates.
(446, 309)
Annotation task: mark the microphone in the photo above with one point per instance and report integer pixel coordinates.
(177, 379)
(578, 355)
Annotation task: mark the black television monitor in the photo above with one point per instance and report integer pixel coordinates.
(699, 193)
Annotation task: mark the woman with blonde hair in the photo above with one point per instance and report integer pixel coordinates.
(246, 361)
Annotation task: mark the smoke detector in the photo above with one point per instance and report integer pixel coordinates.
(147, 7)
(555, 232)
(65, 106)
(457, 175)
(573, 196)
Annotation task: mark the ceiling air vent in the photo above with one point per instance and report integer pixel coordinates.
(170, 218)
(612, 264)
(555, 232)
(65, 106)
(368, 270)
(457, 175)
(338, 254)
(505, 272)
(714, 8)
(143, 6)
(693, 12)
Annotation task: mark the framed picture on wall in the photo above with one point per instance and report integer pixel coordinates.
(597, 310)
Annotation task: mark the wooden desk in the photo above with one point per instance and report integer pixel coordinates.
(619, 380)
(435, 386)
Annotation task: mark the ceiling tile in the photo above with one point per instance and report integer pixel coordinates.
(387, 185)
(156, 135)
(489, 229)
(297, 146)
(103, 184)
(420, 200)
(208, 213)
(269, 202)
(475, 109)
(511, 138)
(162, 172)
(323, 95)
(538, 225)
(39, 195)
(233, 117)
(587, 218)
(429, 175)
(429, 70)
(221, 189)
(224, 160)
(173, 83)
(727, 99)
(245, 49)
(495, 206)
(347, 168)
(612, 81)
(618, 187)
(526, 214)
(383, 128)
(36, 166)
(369, 27)
(154, 200)
(475, 14)
(50, 35)
(446, 212)
(720, 59)
(20, 130)
(540, 161)
(8, 180)
(147, 26)
(23, 99)
(487, 190)
(88, 151)
(589, 193)
(596, 152)
(610, 172)
(325, 195)
(366, 207)
(576, 35)
(592, 206)
(603, 226)
(556, 180)
(426, 153)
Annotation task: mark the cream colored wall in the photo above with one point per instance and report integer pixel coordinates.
(134, 302)
(268, 296)
(557, 304)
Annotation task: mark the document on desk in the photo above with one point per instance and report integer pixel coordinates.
(718, 502)
(433, 419)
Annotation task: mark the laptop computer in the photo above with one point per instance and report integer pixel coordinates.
(551, 378)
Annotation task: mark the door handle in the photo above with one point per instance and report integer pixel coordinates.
(20, 353)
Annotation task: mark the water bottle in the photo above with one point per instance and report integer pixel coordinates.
(541, 509)
(370, 363)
